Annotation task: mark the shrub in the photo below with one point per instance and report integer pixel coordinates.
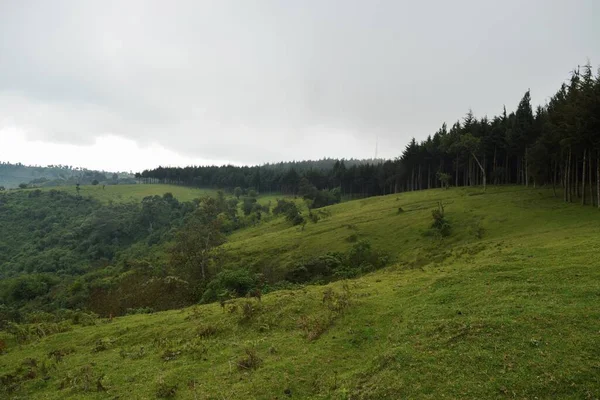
(248, 310)
(250, 360)
(230, 283)
(314, 326)
(364, 257)
(320, 267)
(440, 224)
(165, 391)
(206, 331)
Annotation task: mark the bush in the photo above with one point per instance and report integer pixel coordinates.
(248, 205)
(440, 224)
(230, 283)
(363, 257)
(284, 207)
(250, 360)
(359, 259)
(321, 267)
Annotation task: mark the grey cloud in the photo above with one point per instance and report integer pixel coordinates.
(271, 80)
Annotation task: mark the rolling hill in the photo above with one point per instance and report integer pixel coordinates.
(506, 306)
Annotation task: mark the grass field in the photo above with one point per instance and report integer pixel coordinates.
(135, 193)
(507, 306)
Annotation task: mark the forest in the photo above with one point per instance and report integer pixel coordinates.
(556, 144)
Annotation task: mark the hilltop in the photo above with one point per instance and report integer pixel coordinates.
(504, 306)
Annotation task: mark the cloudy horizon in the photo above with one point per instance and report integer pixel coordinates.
(133, 85)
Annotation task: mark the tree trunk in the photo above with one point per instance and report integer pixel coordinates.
(576, 177)
(554, 178)
(506, 170)
(428, 176)
(494, 168)
(482, 170)
(590, 180)
(565, 181)
(526, 169)
(598, 178)
(456, 179)
(570, 177)
(583, 179)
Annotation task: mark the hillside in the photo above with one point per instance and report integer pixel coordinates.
(135, 193)
(506, 306)
(13, 175)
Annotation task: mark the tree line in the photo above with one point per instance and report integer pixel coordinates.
(556, 144)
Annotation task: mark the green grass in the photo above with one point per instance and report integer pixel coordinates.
(135, 193)
(506, 307)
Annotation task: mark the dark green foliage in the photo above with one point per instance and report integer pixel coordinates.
(58, 250)
(248, 205)
(231, 283)
(360, 258)
(318, 268)
(290, 210)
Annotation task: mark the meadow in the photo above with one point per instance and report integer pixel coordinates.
(506, 306)
(134, 193)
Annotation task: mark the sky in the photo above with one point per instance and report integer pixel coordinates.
(129, 85)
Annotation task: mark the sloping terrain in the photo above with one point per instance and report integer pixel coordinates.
(506, 306)
(134, 193)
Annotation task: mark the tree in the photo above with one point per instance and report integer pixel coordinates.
(472, 145)
(444, 179)
(237, 192)
(22, 185)
(95, 182)
(192, 251)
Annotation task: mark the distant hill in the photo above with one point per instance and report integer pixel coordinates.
(12, 175)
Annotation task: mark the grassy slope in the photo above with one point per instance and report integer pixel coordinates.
(511, 315)
(135, 193)
(125, 193)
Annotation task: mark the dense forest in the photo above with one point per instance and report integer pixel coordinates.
(62, 251)
(15, 175)
(556, 144)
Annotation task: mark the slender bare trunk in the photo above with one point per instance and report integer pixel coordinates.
(428, 176)
(590, 180)
(554, 177)
(583, 179)
(456, 179)
(494, 168)
(482, 170)
(526, 169)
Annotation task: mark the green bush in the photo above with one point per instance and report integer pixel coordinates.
(230, 283)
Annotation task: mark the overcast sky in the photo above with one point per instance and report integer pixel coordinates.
(127, 85)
